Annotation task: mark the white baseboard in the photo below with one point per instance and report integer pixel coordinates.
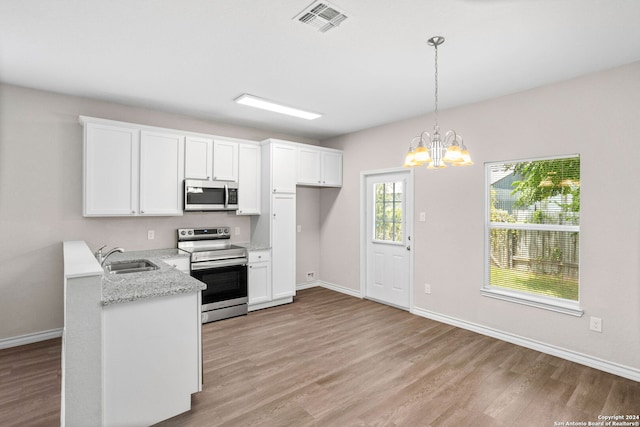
(30, 338)
(331, 286)
(307, 285)
(570, 355)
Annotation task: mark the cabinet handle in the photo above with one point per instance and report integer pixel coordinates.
(251, 266)
(133, 212)
(274, 190)
(141, 211)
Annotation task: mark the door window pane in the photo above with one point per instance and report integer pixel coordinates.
(388, 211)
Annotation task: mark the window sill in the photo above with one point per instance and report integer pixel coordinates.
(560, 306)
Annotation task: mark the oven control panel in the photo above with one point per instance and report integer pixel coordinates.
(209, 233)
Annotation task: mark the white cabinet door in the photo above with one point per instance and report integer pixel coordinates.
(331, 168)
(225, 160)
(161, 173)
(283, 250)
(198, 158)
(249, 179)
(308, 166)
(283, 168)
(110, 170)
(259, 282)
(319, 167)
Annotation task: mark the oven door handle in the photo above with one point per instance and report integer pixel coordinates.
(208, 265)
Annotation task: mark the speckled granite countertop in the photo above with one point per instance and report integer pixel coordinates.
(119, 288)
(253, 246)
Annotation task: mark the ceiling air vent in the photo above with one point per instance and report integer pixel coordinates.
(321, 15)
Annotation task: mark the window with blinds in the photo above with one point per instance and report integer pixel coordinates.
(533, 228)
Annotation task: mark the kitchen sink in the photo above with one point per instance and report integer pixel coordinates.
(135, 266)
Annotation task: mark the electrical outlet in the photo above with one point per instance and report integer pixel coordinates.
(427, 288)
(310, 276)
(595, 324)
(237, 231)
(151, 234)
(423, 216)
(299, 228)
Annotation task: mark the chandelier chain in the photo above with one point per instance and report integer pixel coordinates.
(436, 86)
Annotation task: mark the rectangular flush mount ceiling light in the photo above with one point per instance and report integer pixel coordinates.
(265, 104)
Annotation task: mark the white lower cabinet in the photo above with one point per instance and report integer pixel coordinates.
(151, 359)
(259, 277)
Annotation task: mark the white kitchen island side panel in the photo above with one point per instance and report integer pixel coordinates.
(81, 393)
(151, 360)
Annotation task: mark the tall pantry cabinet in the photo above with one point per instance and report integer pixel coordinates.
(276, 226)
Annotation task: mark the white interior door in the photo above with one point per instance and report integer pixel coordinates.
(387, 237)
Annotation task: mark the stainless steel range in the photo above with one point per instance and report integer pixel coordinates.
(222, 266)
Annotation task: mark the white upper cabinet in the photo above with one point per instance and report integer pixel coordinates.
(110, 170)
(331, 168)
(249, 179)
(198, 158)
(283, 168)
(161, 173)
(309, 166)
(225, 160)
(131, 171)
(319, 166)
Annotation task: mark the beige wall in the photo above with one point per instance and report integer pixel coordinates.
(308, 238)
(41, 199)
(596, 116)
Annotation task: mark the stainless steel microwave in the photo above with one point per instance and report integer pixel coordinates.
(201, 195)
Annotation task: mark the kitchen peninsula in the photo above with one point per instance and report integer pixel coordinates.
(131, 342)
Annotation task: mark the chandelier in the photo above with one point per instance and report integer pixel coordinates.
(434, 150)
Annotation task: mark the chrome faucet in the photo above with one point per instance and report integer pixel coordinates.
(103, 258)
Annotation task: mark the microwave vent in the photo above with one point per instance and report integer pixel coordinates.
(321, 15)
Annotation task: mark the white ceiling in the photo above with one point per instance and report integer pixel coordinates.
(195, 57)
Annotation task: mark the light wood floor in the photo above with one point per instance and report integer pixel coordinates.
(333, 360)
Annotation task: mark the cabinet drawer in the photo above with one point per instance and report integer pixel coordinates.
(259, 256)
